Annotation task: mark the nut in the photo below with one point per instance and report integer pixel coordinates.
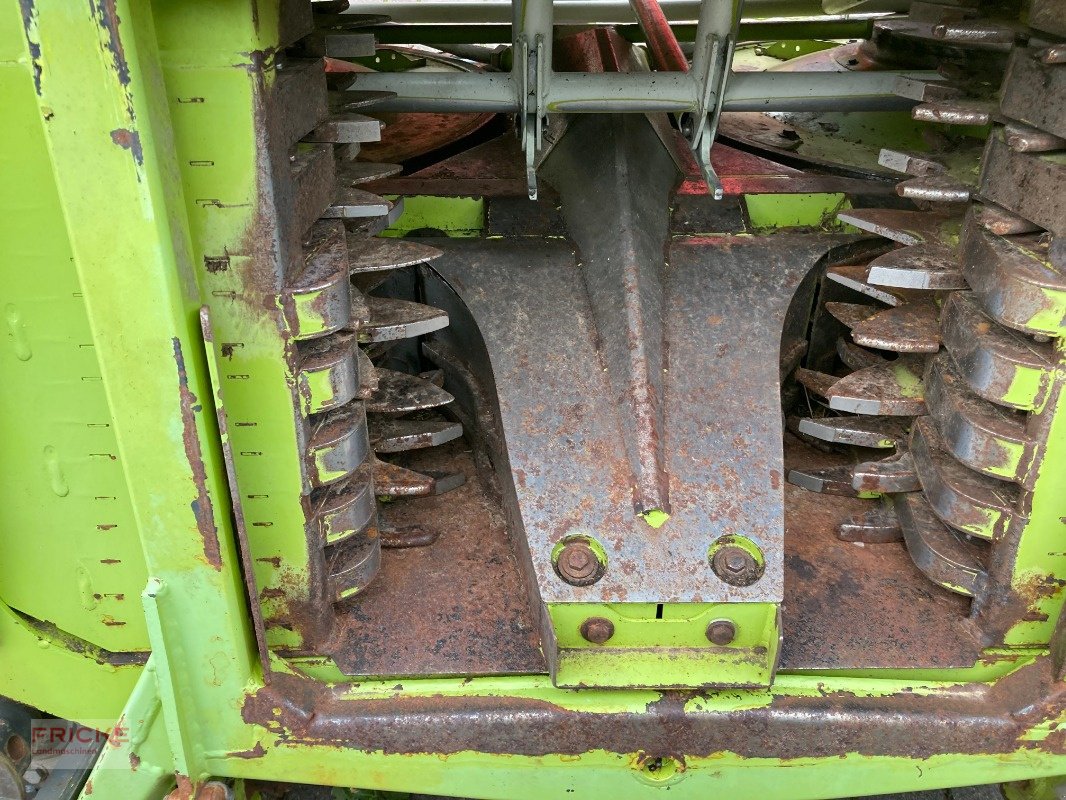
(721, 631)
(736, 566)
(578, 565)
(597, 629)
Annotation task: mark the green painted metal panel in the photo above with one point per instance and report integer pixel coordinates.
(72, 555)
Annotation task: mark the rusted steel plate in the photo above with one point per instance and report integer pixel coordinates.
(956, 112)
(352, 203)
(401, 392)
(373, 255)
(855, 357)
(356, 172)
(916, 164)
(724, 303)
(825, 480)
(879, 432)
(913, 327)
(464, 610)
(919, 266)
(392, 319)
(893, 474)
(879, 525)
(934, 189)
(892, 389)
(353, 564)
(337, 444)
(885, 612)
(388, 435)
(1048, 15)
(1027, 139)
(318, 299)
(996, 219)
(346, 127)
(855, 276)
(346, 508)
(905, 227)
(299, 101)
(328, 374)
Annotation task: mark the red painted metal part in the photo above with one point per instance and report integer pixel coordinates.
(664, 47)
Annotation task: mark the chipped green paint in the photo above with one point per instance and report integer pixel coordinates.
(814, 210)
(656, 518)
(454, 216)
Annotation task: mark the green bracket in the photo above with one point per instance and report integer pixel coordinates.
(665, 645)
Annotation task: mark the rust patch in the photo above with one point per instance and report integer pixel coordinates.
(135, 761)
(971, 719)
(201, 506)
(106, 15)
(129, 140)
(256, 752)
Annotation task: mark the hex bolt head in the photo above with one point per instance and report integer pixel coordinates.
(578, 565)
(736, 566)
(721, 632)
(597, 630)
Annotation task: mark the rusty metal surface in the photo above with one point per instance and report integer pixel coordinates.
(912, 327)
(463, 608)
(919, 266)
(984, 436)
(879, 432)
(400, 392)
(973, 718)
(615, 179)
(848, 605)
(392, 319)
(407, 135)
(494, 169)
(905, 227)
(724, 302)
(1013, 278)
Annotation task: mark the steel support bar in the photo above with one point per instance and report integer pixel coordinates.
(850, 27)
(626, 92)
(817, 91)
(571, 12)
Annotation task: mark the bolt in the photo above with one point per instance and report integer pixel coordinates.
(578, 565)
(721, 632)
(597, 629)
(735, 561)
(735, 565)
